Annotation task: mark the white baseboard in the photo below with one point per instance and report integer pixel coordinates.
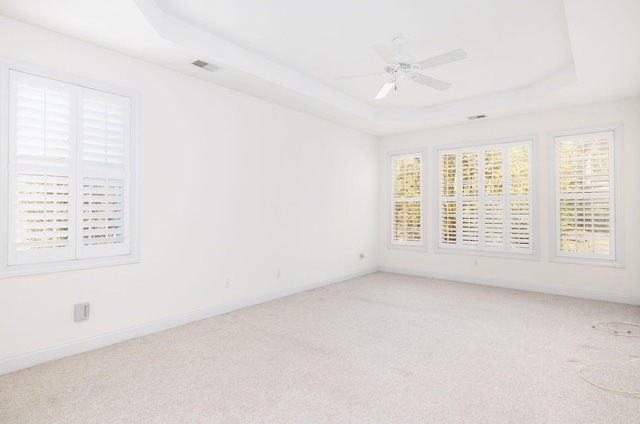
(562, 291)
(30, 359)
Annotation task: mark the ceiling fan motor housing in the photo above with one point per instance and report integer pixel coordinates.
(404, 65)
(403, 60)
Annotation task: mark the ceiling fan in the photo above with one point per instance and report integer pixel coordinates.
(402, 66)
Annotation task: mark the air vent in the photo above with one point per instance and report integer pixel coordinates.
(205, 65)
(476, 117)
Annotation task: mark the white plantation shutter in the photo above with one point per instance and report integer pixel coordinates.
(519, 197)
(69, 172)
(470, 207)
(470, 227)
(41, 152)
(585, 196)
(406, 214)
(448, 205)
(493, 199)
(494, 224)
(485, 198)
(104, 139)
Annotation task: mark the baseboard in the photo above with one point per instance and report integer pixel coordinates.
(562, 291)
(30, 359)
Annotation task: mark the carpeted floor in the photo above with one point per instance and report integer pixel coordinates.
(382, 348)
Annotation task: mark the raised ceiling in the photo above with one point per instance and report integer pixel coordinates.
(522, 55)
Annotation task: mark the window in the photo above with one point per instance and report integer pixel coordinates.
(68, 168)
(585, 196)
(485, 199)
(406, 187)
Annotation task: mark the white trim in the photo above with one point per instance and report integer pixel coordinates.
(64, 76)
(618, 213)
(388, 187)
(530, 140)
(71, 265)
(134, 172)
(4, 167)
(537, 288)
(487, 142)
(30, 359)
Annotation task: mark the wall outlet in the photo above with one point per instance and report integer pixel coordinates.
(81, 312)
(227, 284)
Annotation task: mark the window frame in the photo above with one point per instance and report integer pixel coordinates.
(617, 194)
(391, 156)
(6, 270)
(534, 253)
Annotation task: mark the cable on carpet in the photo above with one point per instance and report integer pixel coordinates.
(620, 377)
(619, 328)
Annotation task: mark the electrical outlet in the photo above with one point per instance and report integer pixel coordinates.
(81, 312)
(227, 284)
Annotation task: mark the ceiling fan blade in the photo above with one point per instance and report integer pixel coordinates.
(384, 53)
(431, 82)
(443, 59)
(375, 74)
(385, 90)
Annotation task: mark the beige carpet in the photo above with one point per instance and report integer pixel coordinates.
(378, 349)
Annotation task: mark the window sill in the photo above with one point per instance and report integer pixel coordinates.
(484, 253)
(589, 262)
(62, 266)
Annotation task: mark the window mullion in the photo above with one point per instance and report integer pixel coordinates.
(507, 200)
(482, 199)
(459, 199)
(76, 177)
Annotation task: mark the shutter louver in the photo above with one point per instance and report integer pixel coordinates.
(520, 225)
(104, 190)
(585, 196)
(407, 203)
(103, 211)
(470, 224)
(407, 222)
(493, 172)
(470, 174)
(42, 213)
(41, 134)
(449, 223)
(494, 224)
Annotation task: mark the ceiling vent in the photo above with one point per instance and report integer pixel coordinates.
(471, 118)
(205, 65)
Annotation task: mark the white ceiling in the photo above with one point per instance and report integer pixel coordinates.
(522, 55)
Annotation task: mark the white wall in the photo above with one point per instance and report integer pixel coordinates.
(231, 187)
(617, 284)
(285, 191)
